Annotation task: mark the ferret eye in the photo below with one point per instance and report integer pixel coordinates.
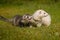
(44, 13)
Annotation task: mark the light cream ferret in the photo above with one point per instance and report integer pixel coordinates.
(43, 17)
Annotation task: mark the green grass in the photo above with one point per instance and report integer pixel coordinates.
(10, 32)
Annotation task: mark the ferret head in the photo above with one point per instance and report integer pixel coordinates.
(27, 17)
(40, 14)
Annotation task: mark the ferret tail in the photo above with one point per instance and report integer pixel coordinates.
(4, 19)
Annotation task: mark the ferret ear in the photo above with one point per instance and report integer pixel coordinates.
(40, 12)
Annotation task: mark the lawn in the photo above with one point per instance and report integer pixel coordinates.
(10, 32)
